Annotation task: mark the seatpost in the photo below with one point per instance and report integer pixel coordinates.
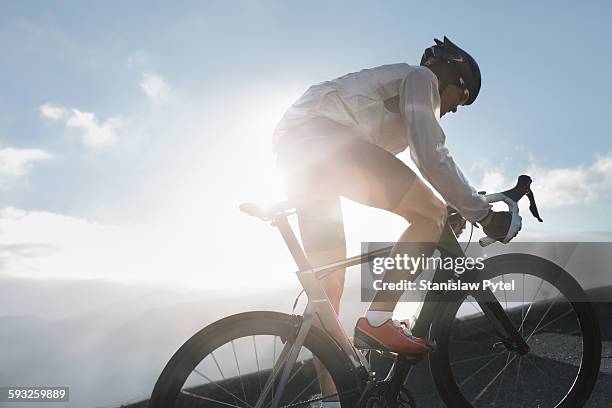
(290, 239)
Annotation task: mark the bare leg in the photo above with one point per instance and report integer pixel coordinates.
(322, 233)
(334, 286)
(427, 215)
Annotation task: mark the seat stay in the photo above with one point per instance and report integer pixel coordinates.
(291, 351)
(319, 303)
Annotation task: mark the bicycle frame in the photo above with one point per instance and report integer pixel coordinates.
(319, 306)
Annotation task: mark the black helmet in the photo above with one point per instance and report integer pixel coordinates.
(465, 65)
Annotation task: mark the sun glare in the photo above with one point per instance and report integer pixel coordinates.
(212, 239)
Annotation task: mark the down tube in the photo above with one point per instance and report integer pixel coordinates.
(449, 248)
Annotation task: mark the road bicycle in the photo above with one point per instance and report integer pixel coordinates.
(542, 350)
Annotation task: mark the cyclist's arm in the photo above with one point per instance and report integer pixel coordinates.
(420, 105)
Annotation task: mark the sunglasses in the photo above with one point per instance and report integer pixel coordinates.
(466, 93)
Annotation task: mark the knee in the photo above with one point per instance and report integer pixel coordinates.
(419, 205)
(434, 217)
(440, 213)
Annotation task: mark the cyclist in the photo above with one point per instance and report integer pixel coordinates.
(340, 138)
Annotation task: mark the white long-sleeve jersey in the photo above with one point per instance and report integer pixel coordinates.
(395, 107)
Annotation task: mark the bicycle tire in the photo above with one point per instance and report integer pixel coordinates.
(588, 371)
(169, 384)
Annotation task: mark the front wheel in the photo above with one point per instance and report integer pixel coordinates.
(228, 363)
(473, 366)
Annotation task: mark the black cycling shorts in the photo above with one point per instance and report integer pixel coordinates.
(325, 160)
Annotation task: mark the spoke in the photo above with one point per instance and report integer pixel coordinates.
(546, 375)
(535, 365)
(517, 382)
(475, 358)
(501, 383)
(471, 342)
(523, 307)
(273, 362)
(477, 328)
(554, 320)
(542, 319)
(212, 353)
(479, 370)
(531, 303)
(309, 401)
(217, 364)
(220, 387)
(238, 367)
(486, 388)
(192, 395)
(483, 331)
(305, 388)
(301, 365)
(257, 361)
(277, 366)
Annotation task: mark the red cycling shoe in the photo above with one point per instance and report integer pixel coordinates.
(390, 336)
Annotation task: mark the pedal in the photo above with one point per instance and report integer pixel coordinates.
(412, 359)
(363, 344)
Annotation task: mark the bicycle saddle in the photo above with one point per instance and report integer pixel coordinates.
(267, 212)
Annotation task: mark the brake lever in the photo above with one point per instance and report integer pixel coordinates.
(532, 206)
(522, 188)
(511, 197)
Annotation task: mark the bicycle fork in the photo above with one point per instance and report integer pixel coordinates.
(502, 323)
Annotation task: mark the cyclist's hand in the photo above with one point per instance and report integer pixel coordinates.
(496, 224)
(455, 221)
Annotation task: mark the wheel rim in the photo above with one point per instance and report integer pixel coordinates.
(234, 375)
(489, 374)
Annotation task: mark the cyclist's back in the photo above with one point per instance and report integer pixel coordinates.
(366, 101)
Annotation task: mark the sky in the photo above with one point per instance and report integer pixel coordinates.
(131, 131)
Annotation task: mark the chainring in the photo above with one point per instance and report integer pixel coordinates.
(377, 397)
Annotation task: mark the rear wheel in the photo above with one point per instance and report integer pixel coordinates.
(472, 367)
(228, 363)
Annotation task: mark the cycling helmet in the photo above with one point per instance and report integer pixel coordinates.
(462, 63)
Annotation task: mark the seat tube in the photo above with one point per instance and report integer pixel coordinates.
(292, 243)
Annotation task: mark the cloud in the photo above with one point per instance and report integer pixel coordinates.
(89, 129)
(65, 246)
(18, 162)
(562, 186)
(155, 87)
(493, 181)
(579, 185)
(52, 112)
